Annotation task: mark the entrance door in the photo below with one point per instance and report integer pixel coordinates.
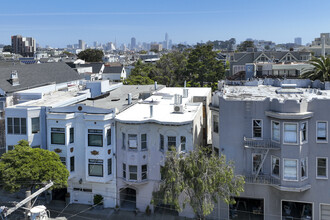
(128, 198)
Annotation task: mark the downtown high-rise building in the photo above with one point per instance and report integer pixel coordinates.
(298, 41)
(25, 46)
(81, 44)
(133, 43)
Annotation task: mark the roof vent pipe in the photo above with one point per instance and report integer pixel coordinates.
(155, 85)
(129, 98)
(185, 93)
(185, 84)
(151, 111)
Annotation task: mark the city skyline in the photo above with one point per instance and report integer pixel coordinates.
(60, 23)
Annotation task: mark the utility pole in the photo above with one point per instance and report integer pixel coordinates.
(4, 211)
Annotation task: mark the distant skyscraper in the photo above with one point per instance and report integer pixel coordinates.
(95, 44)
(81, 44)
(298, 41)
(133, 43)
(166, 41)
(26, 46)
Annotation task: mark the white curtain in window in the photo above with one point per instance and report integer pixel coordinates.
(321, 129)
(290, 169)
(290, 133)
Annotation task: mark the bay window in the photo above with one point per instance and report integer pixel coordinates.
(321, 131)
(290, 172)
(95, 167)
(275, 166)
(95, 137)
(290, 133)
(57, 136)
(275, 131)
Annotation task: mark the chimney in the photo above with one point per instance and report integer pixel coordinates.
(129, 98)
(14, 78)
(151, 111)
(155, 85)
(323, 46)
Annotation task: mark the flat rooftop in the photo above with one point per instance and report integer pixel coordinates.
(118, 98)
(261, 92)
(162, 103)
(56, 98)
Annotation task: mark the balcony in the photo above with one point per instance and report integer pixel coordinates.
(263, 179)
(267, 144)
(266, 179)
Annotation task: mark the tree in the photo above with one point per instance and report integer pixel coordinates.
(170, 69)
(138, 80)
(26, 167)
(320, 69)
(199, 177)
(67, 53)
(203, 67)
(244, 45)
(7, 48)
(91, 55)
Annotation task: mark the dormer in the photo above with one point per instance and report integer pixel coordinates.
(14, 78)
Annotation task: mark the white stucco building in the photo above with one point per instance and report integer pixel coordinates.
(176, 117)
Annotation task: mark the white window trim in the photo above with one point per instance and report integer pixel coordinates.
(320, 208)
(253, 154)
(271, 130)
(271, 167)
(306, 177)
(262, 129)
(327, 169)
(283, 133)
(300, 132)
(297, 169)
(318, 141)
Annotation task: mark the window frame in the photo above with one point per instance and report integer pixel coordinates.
(326, 169)
(109, 136)
(326, 133)
(161, 142)
(297, 170)
(301, 132)
(290, 143)
(94, 132)
(71, 135)
(183, 143)
(109, 166)
(144, 143)
(136, 141)
(38, 130)
(168, 146)
(272, 131)
(57, 130)
(124, 171)
(145, 172)
(72, 165)
(261, 170)
(279, 167)
(95, 163)
(215, 124)
(21, 126)
(306, 170)
(132, 172)
(260, 131)
(123, 137)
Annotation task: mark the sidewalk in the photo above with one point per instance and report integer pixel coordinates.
(80, 212)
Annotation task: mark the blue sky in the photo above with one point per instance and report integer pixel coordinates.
(61, 22)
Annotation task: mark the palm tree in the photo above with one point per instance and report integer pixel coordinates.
(320, 69)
